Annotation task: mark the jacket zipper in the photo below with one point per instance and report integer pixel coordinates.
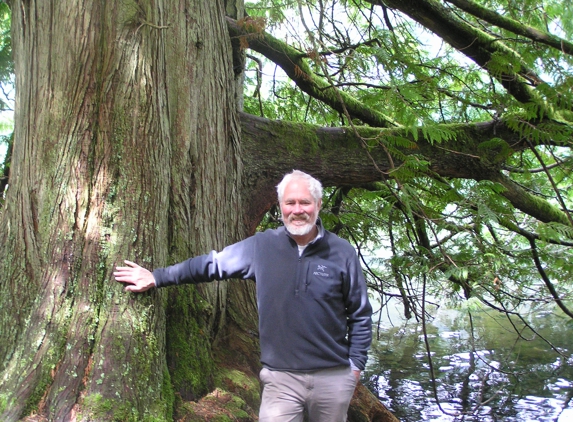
(298, 275)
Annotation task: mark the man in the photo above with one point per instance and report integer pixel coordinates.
(314, 314)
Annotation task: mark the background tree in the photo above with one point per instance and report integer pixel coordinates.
(442, 129)
(6, 91)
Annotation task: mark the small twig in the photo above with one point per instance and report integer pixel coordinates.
(145, 23)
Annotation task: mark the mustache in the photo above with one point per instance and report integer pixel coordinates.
(304, 217)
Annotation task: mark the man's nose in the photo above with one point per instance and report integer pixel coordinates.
(298, 209)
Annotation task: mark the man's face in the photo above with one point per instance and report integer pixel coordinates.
(299, 209)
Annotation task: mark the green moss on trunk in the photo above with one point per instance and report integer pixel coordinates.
(189, 356)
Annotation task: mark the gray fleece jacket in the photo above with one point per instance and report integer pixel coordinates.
(314, 311)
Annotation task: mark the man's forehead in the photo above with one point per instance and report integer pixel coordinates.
(297, 187)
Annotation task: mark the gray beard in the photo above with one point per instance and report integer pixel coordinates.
(299, 230)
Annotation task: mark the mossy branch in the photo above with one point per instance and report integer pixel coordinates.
(337, 157)
(292, 61)
(514, 26)
(479, 46)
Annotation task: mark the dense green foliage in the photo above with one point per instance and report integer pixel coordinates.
(425, 65)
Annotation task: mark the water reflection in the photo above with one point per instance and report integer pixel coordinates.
(492, 375)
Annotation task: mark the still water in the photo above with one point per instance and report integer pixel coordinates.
(489, 376)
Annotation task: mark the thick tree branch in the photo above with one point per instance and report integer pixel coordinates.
(475, 44)
(528, 203)
(514, 26)
(338, 157)
(293, 63)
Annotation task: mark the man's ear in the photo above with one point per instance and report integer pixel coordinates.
(319, 204)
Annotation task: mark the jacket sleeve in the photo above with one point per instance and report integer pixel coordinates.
(235, 261)
(359, 314)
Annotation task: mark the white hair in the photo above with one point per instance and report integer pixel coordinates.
(314, 186)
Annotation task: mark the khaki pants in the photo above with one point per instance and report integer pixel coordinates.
(325, 394)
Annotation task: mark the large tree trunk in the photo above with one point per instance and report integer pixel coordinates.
(126, 146)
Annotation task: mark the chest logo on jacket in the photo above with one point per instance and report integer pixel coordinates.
(320, 271)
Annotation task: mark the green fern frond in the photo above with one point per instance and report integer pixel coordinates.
(437, 133)
(554, 231)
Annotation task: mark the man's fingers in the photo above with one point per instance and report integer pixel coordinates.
(131, 264)
(125, 274)
(124, 271)
(128, 269)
